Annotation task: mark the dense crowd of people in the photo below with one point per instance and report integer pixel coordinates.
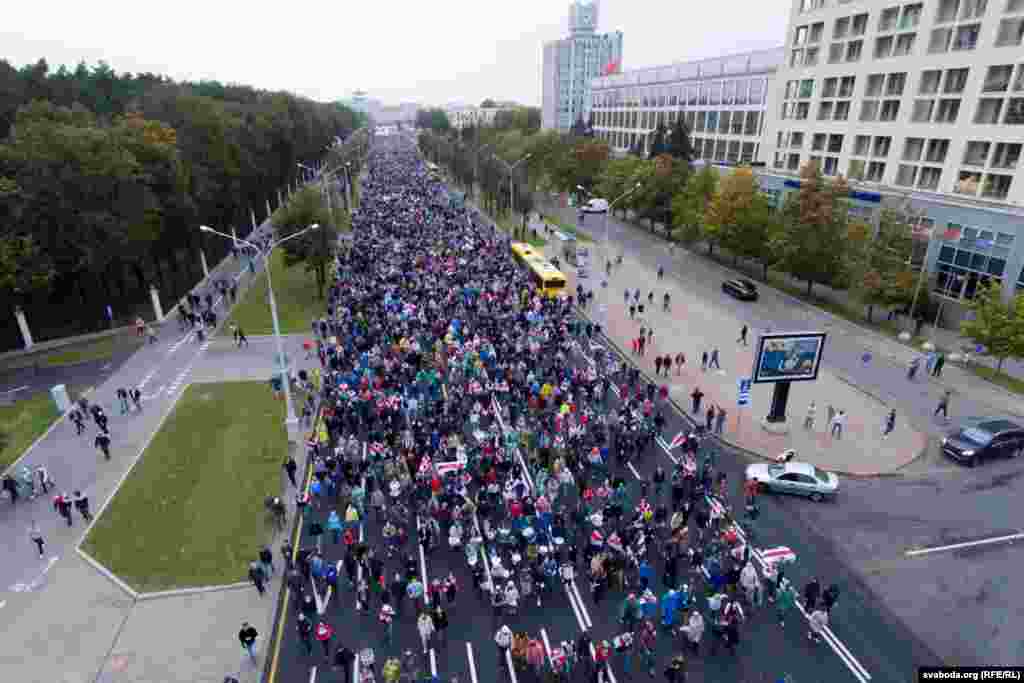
(463, 409)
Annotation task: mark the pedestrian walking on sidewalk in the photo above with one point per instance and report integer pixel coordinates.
(136, 396)
(714, 359)
(267, 561)
(102, 442)
(943, 406)
(35, 535)
(890, 423)
(82, 505)
(234, 333)
(324, 633)
(837, 423)
(743, 335)
(305, 630)
(122, 397)
(632, 312)
(291, 467)
(642, 342)
(680, 362)
(696, 396)
(257, 576)
(661, 272)
(62, 504)
(704, 361)
(247, 636)
(242, 339)
(720, 416)
(939, 362)
(657, 365)
(79, 420)
(709, 417)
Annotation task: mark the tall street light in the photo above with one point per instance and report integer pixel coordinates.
(608, 258)
(511, 185)
(291, 421)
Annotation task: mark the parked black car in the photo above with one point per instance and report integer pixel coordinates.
(741, 288)
(975, 439)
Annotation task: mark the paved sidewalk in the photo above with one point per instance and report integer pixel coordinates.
(694, 326)
(650, 250)
(63, 621)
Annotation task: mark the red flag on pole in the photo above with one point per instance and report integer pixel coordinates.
(610, 68)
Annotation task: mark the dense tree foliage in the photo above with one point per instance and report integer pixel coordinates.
(105, 177)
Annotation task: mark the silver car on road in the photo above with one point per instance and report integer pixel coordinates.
(800, 478)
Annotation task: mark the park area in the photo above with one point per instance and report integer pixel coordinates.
(22, 423)
(191, 512)
(298, 301)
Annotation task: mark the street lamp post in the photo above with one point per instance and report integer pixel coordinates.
(608, 257)
(291, 421)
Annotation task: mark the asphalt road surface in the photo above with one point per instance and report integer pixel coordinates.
(869, 643)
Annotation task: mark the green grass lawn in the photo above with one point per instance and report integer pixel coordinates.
(1002, 379)
(78, 352)
(23, 423)
(191, 511)
(297, 302)
(566, 227)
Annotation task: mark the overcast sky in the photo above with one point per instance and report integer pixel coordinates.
(427, 52)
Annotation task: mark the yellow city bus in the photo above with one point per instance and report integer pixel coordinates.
(522, 252)
(546, 276)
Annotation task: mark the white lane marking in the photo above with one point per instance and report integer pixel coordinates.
(855, 667)
(15, 390)
(37, 581)
(496, 406)
(583, 607)
(147, 378)
(469, 655)
(423, 565)
(155, 394)
(356, 665)
(547, 647)
(433, 663)
(1009, 538)
(3, 603)
(633, 470)
(575, 608)
(511, 666)
(320, 606)
(312, 675)
(330, 589)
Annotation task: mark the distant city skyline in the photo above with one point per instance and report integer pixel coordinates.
(410, 53)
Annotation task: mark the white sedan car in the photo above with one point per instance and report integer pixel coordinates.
(799, 478)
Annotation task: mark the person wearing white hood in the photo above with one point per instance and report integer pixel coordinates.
(425, 625)
(751, 584)
(503, 639)
(694, 630)
(512, 597)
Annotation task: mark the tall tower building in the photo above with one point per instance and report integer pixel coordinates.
(570, 64)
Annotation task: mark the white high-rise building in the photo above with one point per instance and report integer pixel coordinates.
(723, 102)
(571, 63)
(918, 102)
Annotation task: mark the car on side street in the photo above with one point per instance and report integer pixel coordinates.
(740, 288)
(798, 478)
(980, 438)
(595, 205)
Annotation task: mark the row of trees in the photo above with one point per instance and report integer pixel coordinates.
(812, 236)
(104, 178)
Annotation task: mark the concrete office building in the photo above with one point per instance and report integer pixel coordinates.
(919, 103)
(723, 101)
(569, 65)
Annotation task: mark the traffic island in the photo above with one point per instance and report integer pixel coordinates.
(190, 512)
(22, 422)
(298, 301)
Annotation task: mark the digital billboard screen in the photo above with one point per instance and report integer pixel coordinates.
(788, 356)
